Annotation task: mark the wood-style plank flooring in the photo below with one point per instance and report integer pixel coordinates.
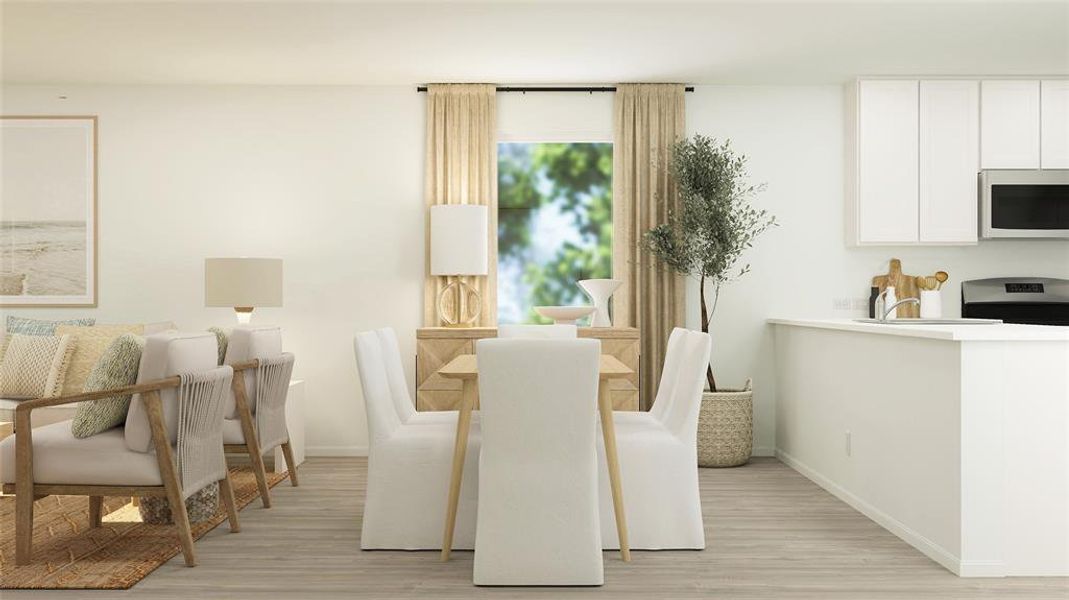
(771, 534)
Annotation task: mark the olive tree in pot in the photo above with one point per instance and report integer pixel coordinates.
(704, 238)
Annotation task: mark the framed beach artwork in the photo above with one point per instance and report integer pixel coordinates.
(48, 211)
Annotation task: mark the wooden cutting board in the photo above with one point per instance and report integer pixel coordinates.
(905, 287)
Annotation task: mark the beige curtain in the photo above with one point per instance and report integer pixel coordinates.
(648, 119)
(461, 168)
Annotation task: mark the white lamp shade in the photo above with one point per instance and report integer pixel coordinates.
(245, 282)
(459, 239)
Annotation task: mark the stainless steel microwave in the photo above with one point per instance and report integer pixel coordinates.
(1024, 203)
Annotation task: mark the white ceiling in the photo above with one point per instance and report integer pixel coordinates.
(302, 42)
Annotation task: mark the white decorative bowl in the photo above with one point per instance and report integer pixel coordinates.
(564, 315)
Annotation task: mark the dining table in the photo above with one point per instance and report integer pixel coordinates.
(465, 368)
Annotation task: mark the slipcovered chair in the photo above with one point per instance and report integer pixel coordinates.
(256, 409)
(402, 399)
(538, 473)
(537, 331)
(409, 461)
(659, 457)
(171, 445)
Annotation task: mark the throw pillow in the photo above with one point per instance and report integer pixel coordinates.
(89, 345)
(41, 326)
(116, 368)
(34, 366)
(222, 338)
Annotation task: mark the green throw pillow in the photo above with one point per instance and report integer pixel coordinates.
(222, 338)
(116, 368)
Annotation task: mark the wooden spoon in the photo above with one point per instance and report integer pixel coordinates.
(941, 277)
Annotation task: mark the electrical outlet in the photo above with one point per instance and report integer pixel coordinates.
(840, 304)
(861, 304)
(848, 448)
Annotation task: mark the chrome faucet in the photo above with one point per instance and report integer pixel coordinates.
(886, 311)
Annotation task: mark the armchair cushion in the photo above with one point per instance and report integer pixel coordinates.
(116, 368)
(248, 342)
(34, 366)
(166, 355)
(61, 458)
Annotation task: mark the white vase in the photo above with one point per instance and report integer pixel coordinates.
(600, 290)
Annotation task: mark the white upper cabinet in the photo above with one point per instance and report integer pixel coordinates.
(1009, 124)
(949, 161)
(887, 148)
(1054, 121)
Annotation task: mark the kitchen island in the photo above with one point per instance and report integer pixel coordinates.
(953, 437)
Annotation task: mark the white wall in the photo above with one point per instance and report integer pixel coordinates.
(793, 136)
(330, 179)
(327, 178)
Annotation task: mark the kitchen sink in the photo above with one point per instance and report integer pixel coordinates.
(902, 321)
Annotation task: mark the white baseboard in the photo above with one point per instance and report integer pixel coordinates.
(929, 548)
(762, 451)
(335, 451)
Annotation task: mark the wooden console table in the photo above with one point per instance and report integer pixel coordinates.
(436, 346)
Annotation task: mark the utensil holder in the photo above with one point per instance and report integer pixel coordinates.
(931, 304)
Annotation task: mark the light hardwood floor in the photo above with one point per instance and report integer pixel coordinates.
(771, 534)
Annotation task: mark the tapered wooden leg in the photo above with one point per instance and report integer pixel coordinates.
(460, 449)
(226, 491)
(170, 478)
(24, 495)
(291, 465)
(608, 434)
(96, 510)
(252, 444)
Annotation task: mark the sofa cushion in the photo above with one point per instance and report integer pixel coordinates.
(89, 345)
(34, 366)
(27, 326)
(116, 368)
(246, 343)
(166, 355)
(59, 457)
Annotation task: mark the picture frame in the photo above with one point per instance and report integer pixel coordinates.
(48, 219)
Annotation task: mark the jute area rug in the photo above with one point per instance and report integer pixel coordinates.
(67, 554)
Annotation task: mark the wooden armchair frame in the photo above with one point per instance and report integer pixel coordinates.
(252, 441)
(27, 491)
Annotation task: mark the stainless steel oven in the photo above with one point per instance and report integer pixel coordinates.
(1024, 203)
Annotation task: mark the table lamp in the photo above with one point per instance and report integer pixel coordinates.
(459, 241)
(243, 284)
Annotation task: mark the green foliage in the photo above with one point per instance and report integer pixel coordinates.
(577, 178)
(715, 223)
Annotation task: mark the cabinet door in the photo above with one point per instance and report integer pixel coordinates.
(949, 160)
(1054, 124)
(1009, 125)
(887, 162)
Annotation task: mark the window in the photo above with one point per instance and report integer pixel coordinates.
(554, 224)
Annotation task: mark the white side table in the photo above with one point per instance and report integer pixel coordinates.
(295, 424)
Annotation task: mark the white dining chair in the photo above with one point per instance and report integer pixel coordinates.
(409, 466)
(658, 456)
(537, 331)
(538, 497)
(402, 399)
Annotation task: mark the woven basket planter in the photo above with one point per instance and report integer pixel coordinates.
(725, 427)
(201, 506)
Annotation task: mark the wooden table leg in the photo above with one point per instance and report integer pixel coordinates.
(460, 449)
(608, 434)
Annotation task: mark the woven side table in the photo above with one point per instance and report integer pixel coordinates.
(725, 427)
(201, 506)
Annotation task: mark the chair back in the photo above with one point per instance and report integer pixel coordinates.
(201, 400)
(672, 357)
(272, 387)
(538, 331)
(166, 355)
(248, 342)
(395, 374)
(538, 459)
(681, 415)
(382, 418)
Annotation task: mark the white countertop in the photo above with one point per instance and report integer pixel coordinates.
(991, 332)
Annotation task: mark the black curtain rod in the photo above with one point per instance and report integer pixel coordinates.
(524, 90)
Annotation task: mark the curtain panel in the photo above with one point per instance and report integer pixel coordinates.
(461, 168)
(648, 119)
